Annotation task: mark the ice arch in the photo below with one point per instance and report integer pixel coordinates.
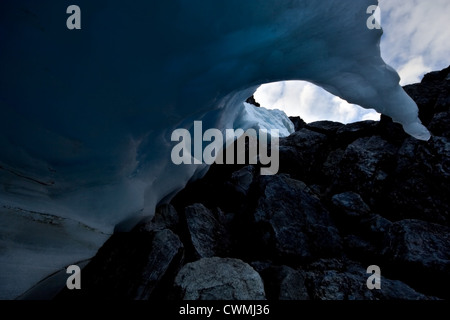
(86, 115)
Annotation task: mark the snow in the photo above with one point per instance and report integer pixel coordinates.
(264, 119)
(86, 115)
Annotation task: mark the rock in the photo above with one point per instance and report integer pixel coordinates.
(325, 127)
(305, 139)
(243, 179)
(366, 239)
(298, 123)
(376, 225)
(131, 266)
(368, 155)
(438, 76)
(284, 283)
(421, 250)
(365, 167)
(391, 131)
(293, 223)
(351, 204)
(207, 235)
(361, 249)
(300, 153)
(352, 131)
(397, 290)
(166, 217)
(420, 185)
(219, 279)
(336, 280)
(260, 266)
(253, 101)
(439, 125)
(165, 260)
(331, 164)
(431, 95)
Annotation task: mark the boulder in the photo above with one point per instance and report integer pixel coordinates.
(242, 179)
(339, 280)
(364, 168)
(293, 222)
(431, 95)
(352, 131)
(219, 279)
(300, 153)
(420, 184)
(298, 123)
(326, 127)
(207, 234)
(421, 250)
(439, 125)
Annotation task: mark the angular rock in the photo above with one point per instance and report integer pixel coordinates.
(300, 153)
(431, 95)
(368, 155)
(440, 124)
(336, 280)
(305, 139)
(437, 76)
(356, 130)
(165, 260)
(391, 131)
(206, 233)
(331, 164)
(219, 279)
(251, 100)
(422, 251)
(351, 204)
(294, 223)
(131, 266)
(284, 283)
(365, 167)
(242, 180)
(325, 127)
(166, 217)
(377, 224)
(298, 123)
(420, 185)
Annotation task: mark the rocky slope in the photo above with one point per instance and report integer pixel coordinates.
(346, 197)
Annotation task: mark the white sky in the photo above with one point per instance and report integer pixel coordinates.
(416, 41)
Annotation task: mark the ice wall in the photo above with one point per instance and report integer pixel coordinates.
(86, 115)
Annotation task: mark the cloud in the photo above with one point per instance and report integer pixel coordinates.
(413, 71)
(416, 36)
(311, 103)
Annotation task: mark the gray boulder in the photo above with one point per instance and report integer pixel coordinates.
(219, 279)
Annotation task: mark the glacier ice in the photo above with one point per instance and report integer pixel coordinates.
(86, 115)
